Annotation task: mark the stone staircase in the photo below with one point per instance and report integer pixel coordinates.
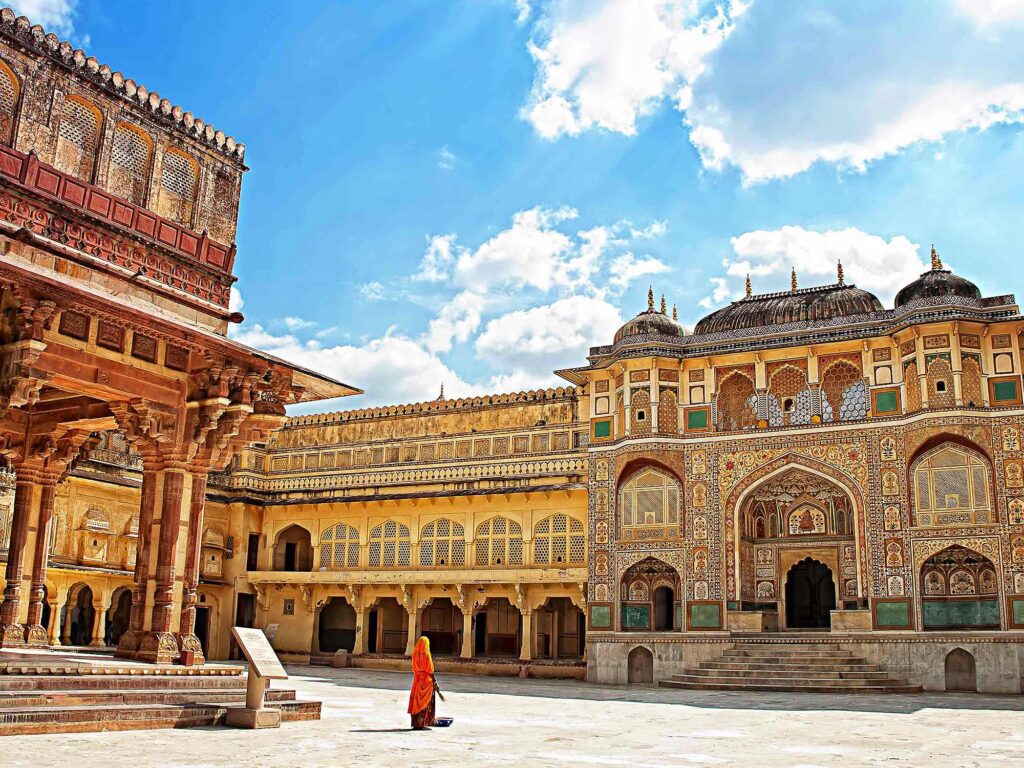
(791, 666)
(41, 698)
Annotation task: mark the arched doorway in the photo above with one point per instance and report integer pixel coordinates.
(441, 623)
(387, 627)
(120, 613)
(650, 593)
(44, 618)
(79, 615)
(961, 671)
(959, 590)
(337, 626)
(810, 595)
(498, 629)
(293, 550)
(561, 629)
(640, 666)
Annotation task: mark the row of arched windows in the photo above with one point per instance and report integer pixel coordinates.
(558, 539)
(79, 133)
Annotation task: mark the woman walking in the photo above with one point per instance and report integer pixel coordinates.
(424, 686)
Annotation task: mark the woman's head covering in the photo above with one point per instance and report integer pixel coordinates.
(422, 661)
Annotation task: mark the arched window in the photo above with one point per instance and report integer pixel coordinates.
(179, 176)
(390, 545)
(339, 547)
(844, 394)
(940, 383)
(668, 411)
(443, 543)
(499, 541)
(960, 590)
(9, 92)
(912, 383)
(951, 487)
(77, 138)
(649, 502)
(789, 399)
(129, 163)
(971, 386)
(640, 412)
(736, 403)
(559, 539)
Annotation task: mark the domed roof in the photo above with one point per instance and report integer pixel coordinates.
(937, 282)
(798, 304)
(651, 321)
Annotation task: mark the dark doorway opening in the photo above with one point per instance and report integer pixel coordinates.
(252, 554)
(480, 637)
(290, 556)
(245, 616)
(337, 626)
(120, 615)
(664, 608)
(203, 628)
(810, 595)
(371, 636)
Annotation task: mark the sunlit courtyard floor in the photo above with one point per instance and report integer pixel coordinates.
(512, 722)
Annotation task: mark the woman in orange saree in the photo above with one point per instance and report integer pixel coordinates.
(421, 698)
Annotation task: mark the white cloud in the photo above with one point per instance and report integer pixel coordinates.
(55, 16)
(522, 11)
(457, 319)
(446, 159)
(297, 323)
(533, 342)
(988, 12)
(871, 262)
(372, 291)
(437, 261)
(391, 369)
(604, 64)
(627, 268)
(235, 300)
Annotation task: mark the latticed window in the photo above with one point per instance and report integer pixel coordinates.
(559, 539)
(390, 545)
(443, 542)
(736, 403)
(499, 541)
(129, 163)
(8, 103)
(179, 175)
(912, 383)
(77, 138)
(951, 487)
(971, 383)
(789, 399)
(339, 547)
(649, 499)
(940, 384)
(668, 411)
(640, 412)
(844, 394)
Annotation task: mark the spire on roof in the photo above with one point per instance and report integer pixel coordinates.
(749, 291)
(650, 298)
(792, 280)
(664, 308)
(936, 261)
(675, 314)
(441, 396)
(839, 272)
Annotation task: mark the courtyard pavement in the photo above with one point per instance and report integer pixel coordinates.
(512, 722)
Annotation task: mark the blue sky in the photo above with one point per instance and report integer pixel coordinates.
(476, 191)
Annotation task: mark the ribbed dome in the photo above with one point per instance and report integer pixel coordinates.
(821, 303)
(647, 322)
(937, 282)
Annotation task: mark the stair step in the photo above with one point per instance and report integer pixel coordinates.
(768, 666)
(22, 699)
(790, 646)
(788, 686)
(795, 674)
(778, 653)
(80, 719)
(838, 683)
(117, 682)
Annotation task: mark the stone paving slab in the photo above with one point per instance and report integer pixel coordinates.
(512, 722)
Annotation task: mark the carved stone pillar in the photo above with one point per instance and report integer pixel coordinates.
(54, 630)
(26, 491)
(467, 634)
(35, 633)
(413, 632)
(187, 640)
(526, 653)
(99, 625)
(128, 645)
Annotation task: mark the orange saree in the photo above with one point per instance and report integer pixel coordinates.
(421, 697)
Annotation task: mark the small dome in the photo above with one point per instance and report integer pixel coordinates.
(937, 282)
(648, 322)
(804, 304)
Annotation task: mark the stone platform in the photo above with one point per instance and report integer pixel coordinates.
(544, 669)
(51, 692)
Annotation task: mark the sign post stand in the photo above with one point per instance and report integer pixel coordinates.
(264, 666)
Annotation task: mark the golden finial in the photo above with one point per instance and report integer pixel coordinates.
(839, 271)
(749, 291)
(650, 298)
(664, 308)
(441, 396)
(675, 314)
(792, 280)
(936, 261)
